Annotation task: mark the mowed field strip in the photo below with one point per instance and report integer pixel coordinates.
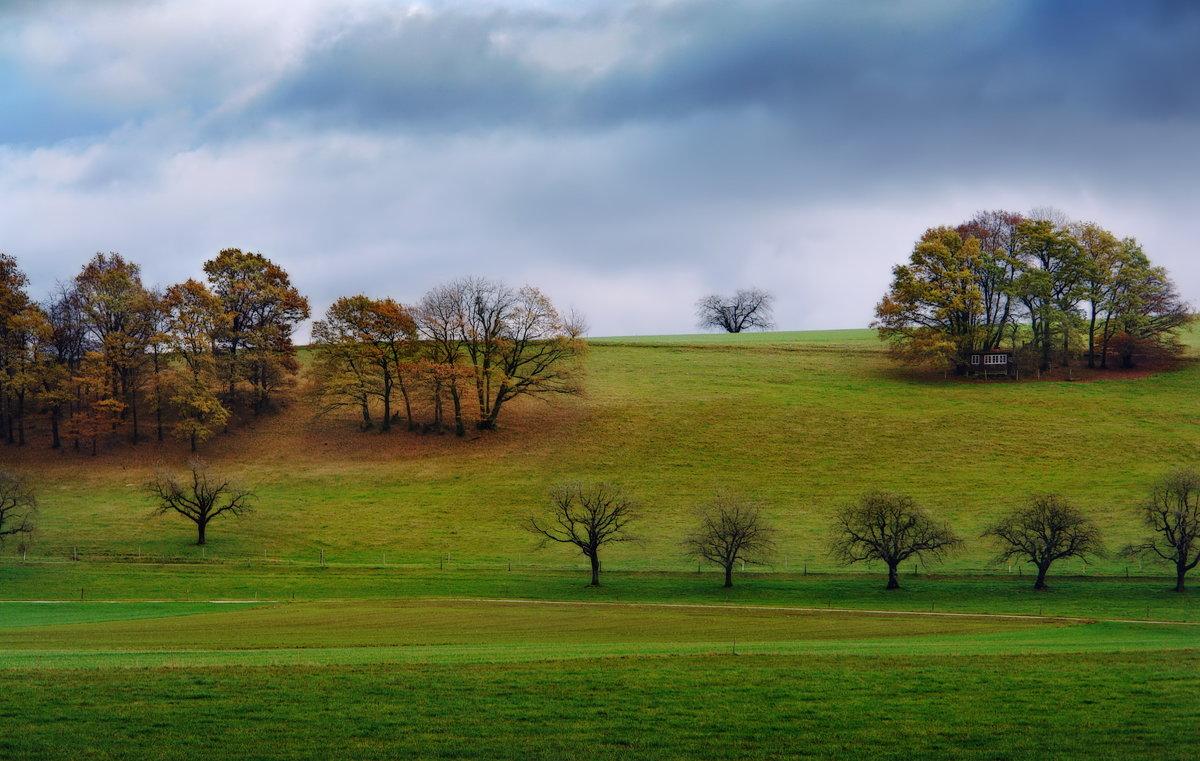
(433, 631)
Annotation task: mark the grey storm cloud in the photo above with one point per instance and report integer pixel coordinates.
(627, 155)
(812, 62)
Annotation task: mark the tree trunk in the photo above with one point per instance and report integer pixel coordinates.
(1040, 583)
(387, 402)
(1180, 572)
(729, 575)
(595, 569)
(459, 429)
(193, 439)
(200, 527)
(893, 578)
(55, 442)
(1092, 339)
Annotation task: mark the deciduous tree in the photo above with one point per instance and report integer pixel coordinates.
(588, 517)
(747, 309)
(18, 504)
(731, 529)
(1172, 511)
(889, 528)
(933, 313)
(1046, 529)
(199, 496)
(264, 309)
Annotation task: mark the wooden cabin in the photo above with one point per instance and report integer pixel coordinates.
(994, 362)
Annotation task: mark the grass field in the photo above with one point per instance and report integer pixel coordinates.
(382, 602)
(802, 421)
(492, 679)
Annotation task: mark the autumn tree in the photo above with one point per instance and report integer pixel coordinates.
(18, 504)
(731, 529)
(117, 313)
(748, 309)
(994, 271)
(1046, 529)
(14, 346)
(264, 308)
(588, 517)
(58, 394)
(193, 320)
(934, 309)
(1172, 511)
(365, 349)
(889, 528)
(200, 496)
(99, 410)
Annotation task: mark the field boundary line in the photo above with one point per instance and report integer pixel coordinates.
(864, 611)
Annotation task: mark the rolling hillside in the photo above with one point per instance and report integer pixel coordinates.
(802, 421)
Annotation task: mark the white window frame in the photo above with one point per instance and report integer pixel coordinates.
(974, 359)
(995, 359)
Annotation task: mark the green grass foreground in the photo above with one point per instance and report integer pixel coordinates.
(1127, 706)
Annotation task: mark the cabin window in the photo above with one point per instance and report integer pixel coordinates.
(974, 359)
(995, 359)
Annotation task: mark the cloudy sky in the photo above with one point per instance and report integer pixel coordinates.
(626, 157)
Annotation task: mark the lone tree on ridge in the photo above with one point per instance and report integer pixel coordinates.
(731, 529)
(587, 516)
(1046, 529)
(890, 528)
(200, 497)
(748, 308)
(1173, 511)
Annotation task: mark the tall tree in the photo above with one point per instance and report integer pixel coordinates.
(889, 528)
(365, 347)
(1172, 511)
(513, 342)
(1048, 282)
(994, 270)
(588, 517)
(193, 319)
(731, 529)
(1046, 529)
(264, 308)
(934, 310)
(748, 309)
(118, 314)
(14, 302)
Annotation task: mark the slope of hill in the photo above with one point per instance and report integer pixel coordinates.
(802, 421)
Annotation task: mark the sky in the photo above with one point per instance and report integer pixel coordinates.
(627, 158)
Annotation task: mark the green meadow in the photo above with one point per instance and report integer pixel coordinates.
(383, 602)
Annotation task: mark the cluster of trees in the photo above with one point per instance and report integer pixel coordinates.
(467, 348)
(1056, 287)
(106, 350)
(887, 528)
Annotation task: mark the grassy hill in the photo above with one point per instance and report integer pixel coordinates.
(802, 421)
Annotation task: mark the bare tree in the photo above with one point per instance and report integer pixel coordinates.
(731, 529)
(749, 308)
(199, 499)
(18, 504)
(1046, 529)
(587, 516)
(890, 528)
(1173, 511)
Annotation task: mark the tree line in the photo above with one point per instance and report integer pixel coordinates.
(728, 529)
(107, 357)
(884, 527)
(1050, 287)
(105, 352)
(461, 354)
